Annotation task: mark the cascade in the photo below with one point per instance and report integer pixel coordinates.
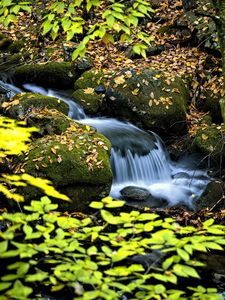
(138, 158)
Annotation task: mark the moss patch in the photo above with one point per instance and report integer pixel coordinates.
(91, 102)
(54, 74)
(22, 104)
(75, 161)
(150, 99)
(89, 79)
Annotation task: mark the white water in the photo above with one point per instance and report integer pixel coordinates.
(138, 158)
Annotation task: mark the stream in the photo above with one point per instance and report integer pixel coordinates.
(138, 158)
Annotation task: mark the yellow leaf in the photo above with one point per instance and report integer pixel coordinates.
(89, 90)
(135, 92)
(204, 137)
(119, 79)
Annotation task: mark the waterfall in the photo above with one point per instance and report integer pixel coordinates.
(138, 158)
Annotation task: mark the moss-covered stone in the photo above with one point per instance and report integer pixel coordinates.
(54, 74)
(210, 102)
(21, 105)
(91, 102)
(212, 196)
(48, 121)
(150, 99)
(210, 141)
(89, 79)
(4, 41)
(16, 46)
(77, 162)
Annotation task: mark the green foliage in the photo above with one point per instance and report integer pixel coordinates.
(113, 21)
(14, 137)
(9, 10)
(96, 258)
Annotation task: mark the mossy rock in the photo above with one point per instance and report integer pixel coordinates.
(22, 104)
(89, 79)
(4, 41)
(55, 74)
(76, 161)
(91, 101)
(16, 46)
(210, 141)
(212, 196)
(48, 121)
(210, 102)
(150, 99)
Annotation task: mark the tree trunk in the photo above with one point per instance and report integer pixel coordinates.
(220, 24)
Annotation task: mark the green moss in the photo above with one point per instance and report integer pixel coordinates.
(22, 104)
(90, 102)
(149, 98)
(75, 161)
(89, 79)
(48, 121)
(210, 141)
(16, 46)
(54, 74)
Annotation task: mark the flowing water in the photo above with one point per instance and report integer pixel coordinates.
(138, 158)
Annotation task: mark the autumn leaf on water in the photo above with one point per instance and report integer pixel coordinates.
(89, 90)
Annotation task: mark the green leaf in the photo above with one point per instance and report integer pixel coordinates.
(4, 285)
(110, 20)
(3, 246)
(19, 291)
(96, 205)
(109, 218)
(183, 254)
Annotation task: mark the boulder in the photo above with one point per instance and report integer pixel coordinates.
(137, 196)
(89, 79)
(77, 163)
(48, 121)
(88, 99)
(210, 102)
(22, 104)
(150, 99)
(212, 196)
(58, 75)
(134, 193)
(209, 140)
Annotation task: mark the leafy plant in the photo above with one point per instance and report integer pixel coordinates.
(113, 21)
(44, 251)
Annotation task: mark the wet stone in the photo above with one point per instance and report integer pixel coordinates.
(133, 193)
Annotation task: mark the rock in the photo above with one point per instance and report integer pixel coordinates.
(16, 46)
(48, 121)
(4, 41)
(212, 196)
(210, 102)
(149, 99)
(91, 101)
(83, 64)
(21, 105)
(209, 140)
(134, 193)
(60, 75)
(89, 79)
(77, 163)
(137, 196)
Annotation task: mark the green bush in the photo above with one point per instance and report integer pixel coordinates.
(95, 257)
(89, 19)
